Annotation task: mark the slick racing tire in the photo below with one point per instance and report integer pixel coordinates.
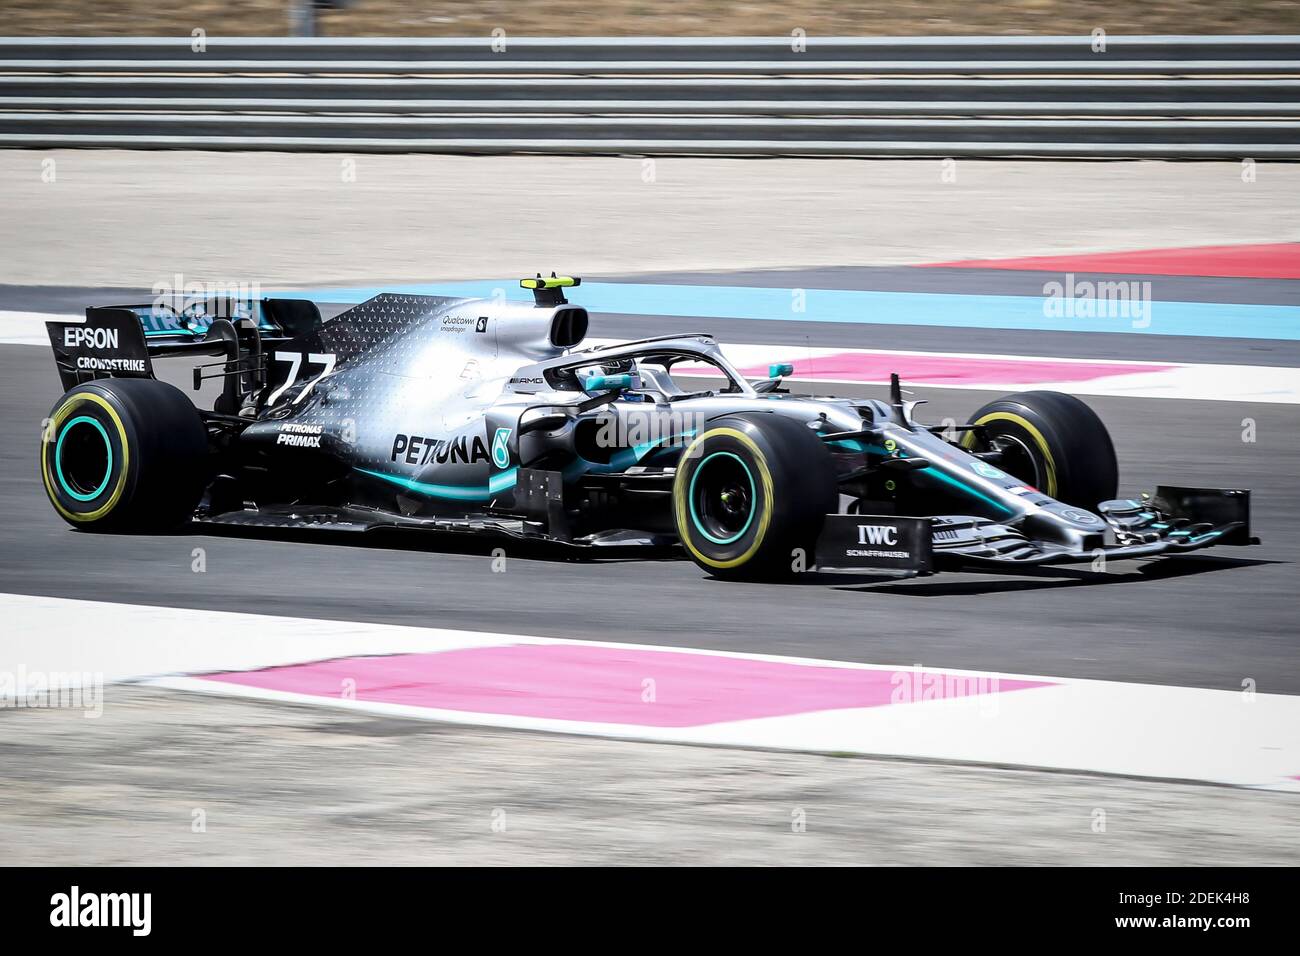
(749, 491)
(1051, 441)
(124, 454)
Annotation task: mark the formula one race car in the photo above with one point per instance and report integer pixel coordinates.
(485, 416)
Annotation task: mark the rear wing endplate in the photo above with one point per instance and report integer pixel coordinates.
(109, 344)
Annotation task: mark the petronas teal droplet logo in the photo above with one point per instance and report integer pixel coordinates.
(501, 448)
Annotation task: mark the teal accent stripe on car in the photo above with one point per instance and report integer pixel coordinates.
(852, 444)
(625, 458)
(495, 486)
(967, 489)
(196, 333)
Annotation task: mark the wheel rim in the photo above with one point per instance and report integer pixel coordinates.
(83, 458)
(722, 494)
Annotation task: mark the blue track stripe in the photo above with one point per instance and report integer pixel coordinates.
(1214, 320)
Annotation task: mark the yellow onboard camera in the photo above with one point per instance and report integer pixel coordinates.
(547, 290)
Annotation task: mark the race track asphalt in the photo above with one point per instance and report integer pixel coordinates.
(1213, 619)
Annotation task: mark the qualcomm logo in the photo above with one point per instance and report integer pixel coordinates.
(500, 448)
(877, 534)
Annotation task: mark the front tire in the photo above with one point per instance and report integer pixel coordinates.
(124, 454)
(1051, 441)
(750, 492)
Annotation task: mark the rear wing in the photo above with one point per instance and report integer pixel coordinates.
(121, 341)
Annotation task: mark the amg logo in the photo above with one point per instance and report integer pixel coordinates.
(102, 909)
(877, 534)
(78, 335)
(416, 450)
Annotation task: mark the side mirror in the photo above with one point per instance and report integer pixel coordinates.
(597, 383)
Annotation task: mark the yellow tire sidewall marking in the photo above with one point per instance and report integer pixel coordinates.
(72, 403)
(682, 506)
(969, 440)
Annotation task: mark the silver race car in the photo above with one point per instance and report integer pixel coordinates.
(488, 416)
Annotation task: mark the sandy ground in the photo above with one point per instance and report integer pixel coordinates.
(662, 18)
(279, 784)
(135, 218)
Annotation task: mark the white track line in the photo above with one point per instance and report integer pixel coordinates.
(1083, 725)
(28, 328)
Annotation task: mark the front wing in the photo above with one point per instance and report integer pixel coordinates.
(1174, 520)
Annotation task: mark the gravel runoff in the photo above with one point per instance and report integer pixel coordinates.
(164, 777)
(135, 218)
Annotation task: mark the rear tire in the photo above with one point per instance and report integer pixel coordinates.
(124, 454)
(1051, 441)
(750, 492)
